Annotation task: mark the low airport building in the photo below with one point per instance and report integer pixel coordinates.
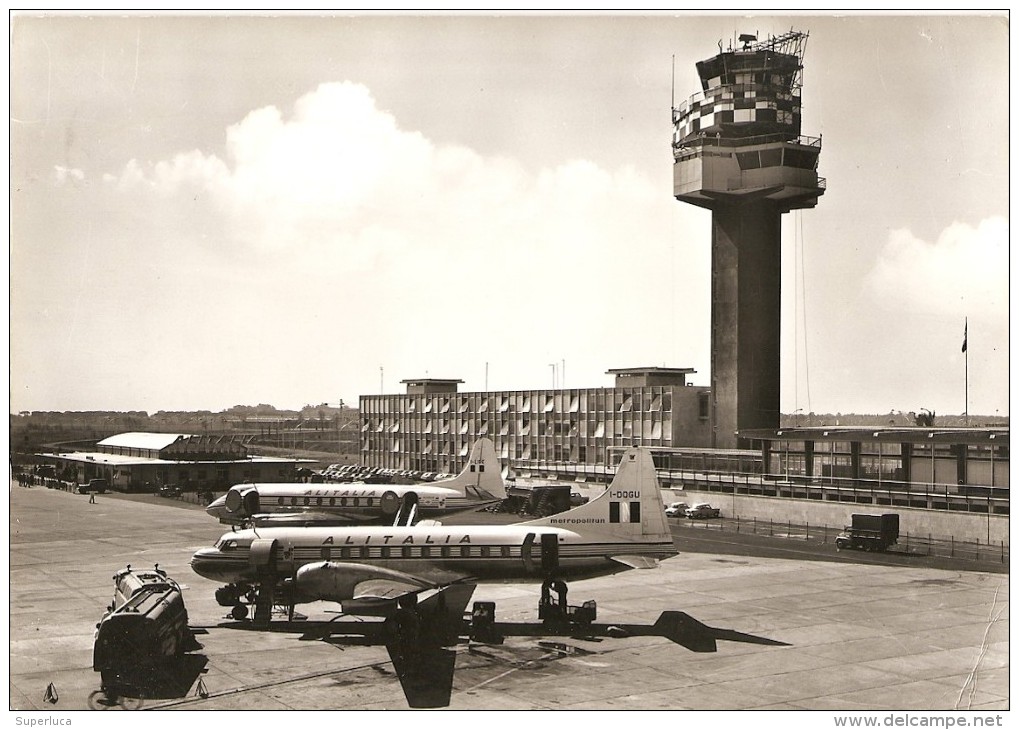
(142, 461)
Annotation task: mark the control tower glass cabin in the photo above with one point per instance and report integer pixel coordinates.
(738, 151)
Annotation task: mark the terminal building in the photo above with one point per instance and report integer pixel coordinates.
(578, 435)
(432, 426)
(136, 462)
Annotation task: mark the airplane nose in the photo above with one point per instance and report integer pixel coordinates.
(211, 563)
(217, 508)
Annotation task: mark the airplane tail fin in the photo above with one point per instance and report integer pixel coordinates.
(481, 478)
(630, 510)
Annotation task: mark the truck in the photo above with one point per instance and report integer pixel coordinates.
(143, 633)
(97, 486)
(869, 532)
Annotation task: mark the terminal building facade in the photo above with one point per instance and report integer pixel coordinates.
(432, 426)
(145, 461)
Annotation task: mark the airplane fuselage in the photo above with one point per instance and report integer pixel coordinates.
(435, 553)
(343, 502)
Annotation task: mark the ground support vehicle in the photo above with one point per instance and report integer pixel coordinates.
(143, 633)
(869, 532)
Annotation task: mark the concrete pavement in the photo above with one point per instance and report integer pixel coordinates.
(860, 637)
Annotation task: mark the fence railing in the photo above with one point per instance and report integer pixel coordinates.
(951, 497)
(931, 545)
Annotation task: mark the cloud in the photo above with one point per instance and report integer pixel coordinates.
(341, 175)
(333, 224)
(965, 271)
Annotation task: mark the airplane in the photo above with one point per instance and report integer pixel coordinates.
(480, 484)
(382, 570)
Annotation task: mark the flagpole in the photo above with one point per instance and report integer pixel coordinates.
(965, 349)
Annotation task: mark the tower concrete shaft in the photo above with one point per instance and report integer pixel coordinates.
(738, 152)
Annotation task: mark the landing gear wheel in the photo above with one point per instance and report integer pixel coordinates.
(239, 612)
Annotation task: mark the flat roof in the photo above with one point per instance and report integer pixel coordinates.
(143, 440)
(649, 370)
(95, 457)
(997, 436)
(416, 381)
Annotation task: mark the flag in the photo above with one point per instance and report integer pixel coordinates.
(965, 333)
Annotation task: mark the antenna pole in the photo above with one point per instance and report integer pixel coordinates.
(673, 107)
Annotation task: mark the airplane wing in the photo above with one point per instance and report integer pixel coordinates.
(298, 519)
(384, 588)
(639, 562)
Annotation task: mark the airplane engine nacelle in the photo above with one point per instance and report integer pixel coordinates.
(242, 501)
(389, 503)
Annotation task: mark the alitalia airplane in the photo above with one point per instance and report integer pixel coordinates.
(624, 527)
(478, 485)
(383, 571)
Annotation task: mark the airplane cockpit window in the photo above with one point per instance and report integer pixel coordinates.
(227, 544)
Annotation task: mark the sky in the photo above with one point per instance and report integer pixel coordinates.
(212, 210)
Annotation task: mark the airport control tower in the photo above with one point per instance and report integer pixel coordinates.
(738, 152)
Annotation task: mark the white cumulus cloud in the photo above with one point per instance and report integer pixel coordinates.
(964, 271)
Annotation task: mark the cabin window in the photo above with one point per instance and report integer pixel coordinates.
(504, 551)
(370, 501)
(385, 552)
(405, 551)
(465, 551)
(426, 552)
(332, 501)
(343, 501)
(357, 502)
(307, 501)
(486, 552)
(445, 551)
(280, 501)
(345, 552)
(362, 552)
(325, 553)
(318, 501)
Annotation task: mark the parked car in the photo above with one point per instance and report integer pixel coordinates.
(676, 509)
(169, 491)
(702, 511)
(577, 499)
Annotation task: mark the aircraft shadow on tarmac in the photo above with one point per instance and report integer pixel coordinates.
(426, 671)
